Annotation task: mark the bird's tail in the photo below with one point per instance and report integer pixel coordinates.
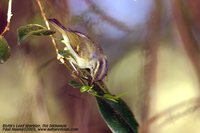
(58, 25)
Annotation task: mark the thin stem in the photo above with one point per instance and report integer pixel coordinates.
(48, 27)
(174, 112)
(150, 57)
(9, 16)
(189, 43)
(104, 16)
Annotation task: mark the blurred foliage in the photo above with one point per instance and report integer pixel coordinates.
(4, 50)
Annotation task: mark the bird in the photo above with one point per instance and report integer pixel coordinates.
(83, 52)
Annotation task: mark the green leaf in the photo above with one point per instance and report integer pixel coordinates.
(32, 29)
(111, 97)
(4, 50)
(75, 84)
(118, 116)
(85, 88)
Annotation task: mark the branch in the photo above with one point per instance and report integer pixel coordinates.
(9, 16)
(173, 113)
(193, 6)
(150, 57)
(104, 16)
(189, 43)
(48, 27)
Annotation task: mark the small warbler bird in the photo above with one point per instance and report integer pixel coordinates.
(84, 53)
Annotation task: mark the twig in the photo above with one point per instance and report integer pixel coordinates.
(150, 57)
(9, 16)
(164, 114)
(104, 16)
(189, 43)
(48, 27)
(193, 6)
(47, 23)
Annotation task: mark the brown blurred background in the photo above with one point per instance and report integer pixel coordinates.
(153, 52)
